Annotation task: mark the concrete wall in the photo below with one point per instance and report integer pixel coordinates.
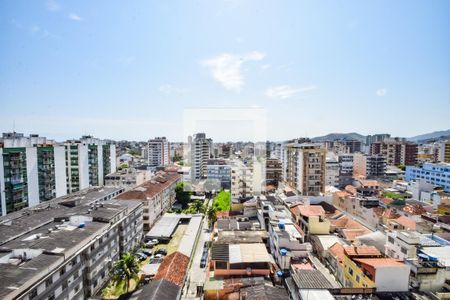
(392, 279)
(60, 171)
(32, 176)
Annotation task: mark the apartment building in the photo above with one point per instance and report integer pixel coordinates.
(219, 172)
(65, 248)
(306, 168)
(158, 152)
(32, 170)
(444, 152)
(157, 196)
(200, 149)
(369, 166)
(346, 169)
(437, 174)
(88, 161)
(332, 170)
(396, 150)
(127, 178)
(376, 138)
(241, 181)
(274, 171)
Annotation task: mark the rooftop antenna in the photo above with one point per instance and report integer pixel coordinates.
(14, 126)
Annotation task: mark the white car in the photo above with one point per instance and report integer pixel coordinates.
(152, 243)
(159, 255)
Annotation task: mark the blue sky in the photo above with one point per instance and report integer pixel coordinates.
(118, 71)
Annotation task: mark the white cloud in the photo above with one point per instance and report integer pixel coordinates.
(75, 17)
(52, 5)
(381, 92)
(226, 68)
(265, 67)
(286, 91)
(168, 89)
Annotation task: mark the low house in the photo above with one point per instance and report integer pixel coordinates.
(311, 219)
(364, 267)
(228, 260)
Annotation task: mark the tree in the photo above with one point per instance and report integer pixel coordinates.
(211, 215)
(125, 269)
(183, 193)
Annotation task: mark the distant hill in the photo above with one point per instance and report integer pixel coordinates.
(340, 136)
(430, 136)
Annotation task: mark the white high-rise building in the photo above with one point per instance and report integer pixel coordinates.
(158, 152)
(199, 151)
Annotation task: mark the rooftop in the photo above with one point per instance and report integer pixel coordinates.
(150, 188)
(308, 210)
(380, 262)
(311, 279)
(173, 268)
(361, 251)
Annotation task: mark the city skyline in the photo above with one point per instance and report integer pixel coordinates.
(70, 69)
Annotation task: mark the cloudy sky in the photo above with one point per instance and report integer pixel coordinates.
(131, 71)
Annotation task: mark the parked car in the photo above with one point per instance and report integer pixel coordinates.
(141, 256)
(152, 243)
(147, 252)
(159, 255)
(161, 251)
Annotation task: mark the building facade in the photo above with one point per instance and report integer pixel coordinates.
(436, 174)
(200, 149)
(396, 150)
(66, 250)
(158, 152)
(306, 168)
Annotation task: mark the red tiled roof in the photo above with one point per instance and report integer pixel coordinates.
(380, 262)
(390, 214)
(341, 194)
(406, 222)
(414, 210)
(351, 189)
(368, 183)
(337, 250)
(361, 251)
(150, 188)
(387, 200)
(378, 211)
(308, 210)
(173, 268)
(352, 234)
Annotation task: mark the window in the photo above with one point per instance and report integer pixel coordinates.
(64, 285)
(391, 239)
(62, 271)
(33, 294)
(48, 282)
(51, 296)
(350, 271)
(404, 250)
(357, 278)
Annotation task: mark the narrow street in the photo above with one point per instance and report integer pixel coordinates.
(197, 275)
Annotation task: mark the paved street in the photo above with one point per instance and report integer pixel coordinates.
(197, 275)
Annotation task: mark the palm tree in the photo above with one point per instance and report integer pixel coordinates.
(126, 268)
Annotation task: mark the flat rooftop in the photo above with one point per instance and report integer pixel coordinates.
(20, 222)
(35, 242)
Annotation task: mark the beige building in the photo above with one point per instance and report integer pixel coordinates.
(306, 168)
